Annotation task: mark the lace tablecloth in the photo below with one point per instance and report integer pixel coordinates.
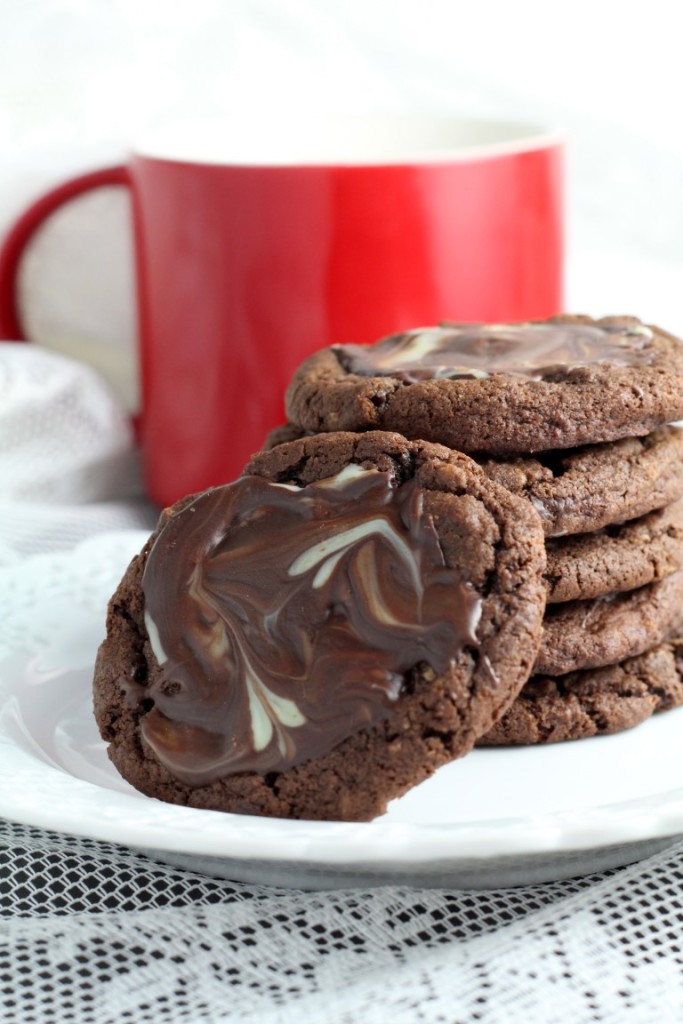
(93, 932)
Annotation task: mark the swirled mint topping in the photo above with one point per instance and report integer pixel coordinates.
(475, 351)
(286, 618)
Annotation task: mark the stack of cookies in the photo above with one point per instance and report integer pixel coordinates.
(465, 535)
(572, 414)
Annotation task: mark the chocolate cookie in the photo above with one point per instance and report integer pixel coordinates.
(595, 702)
(317, 637)
(588, 634)
(283, 433)
(498, 388)
(583, 490)
(617, 558)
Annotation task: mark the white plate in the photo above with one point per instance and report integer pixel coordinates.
(497, 817)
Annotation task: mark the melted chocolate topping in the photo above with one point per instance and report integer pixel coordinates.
(538, 351)
(285, 619)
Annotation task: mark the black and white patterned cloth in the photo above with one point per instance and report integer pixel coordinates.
(93, 933)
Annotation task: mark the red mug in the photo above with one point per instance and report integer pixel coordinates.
(251, 257)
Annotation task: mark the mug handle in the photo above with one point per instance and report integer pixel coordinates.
(25, 227)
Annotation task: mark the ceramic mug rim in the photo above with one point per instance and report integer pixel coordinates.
(353, 141)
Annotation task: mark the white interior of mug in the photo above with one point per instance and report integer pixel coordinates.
(385, 139)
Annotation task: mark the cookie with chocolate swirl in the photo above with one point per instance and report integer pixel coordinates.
(317, 637)
(498, 388)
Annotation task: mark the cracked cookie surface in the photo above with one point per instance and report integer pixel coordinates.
(593, 702)
(584, 489)
(621, 557)
(604, 630)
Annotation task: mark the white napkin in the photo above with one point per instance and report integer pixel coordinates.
(69, 466)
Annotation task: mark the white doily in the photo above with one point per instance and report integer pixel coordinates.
(101, 935)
